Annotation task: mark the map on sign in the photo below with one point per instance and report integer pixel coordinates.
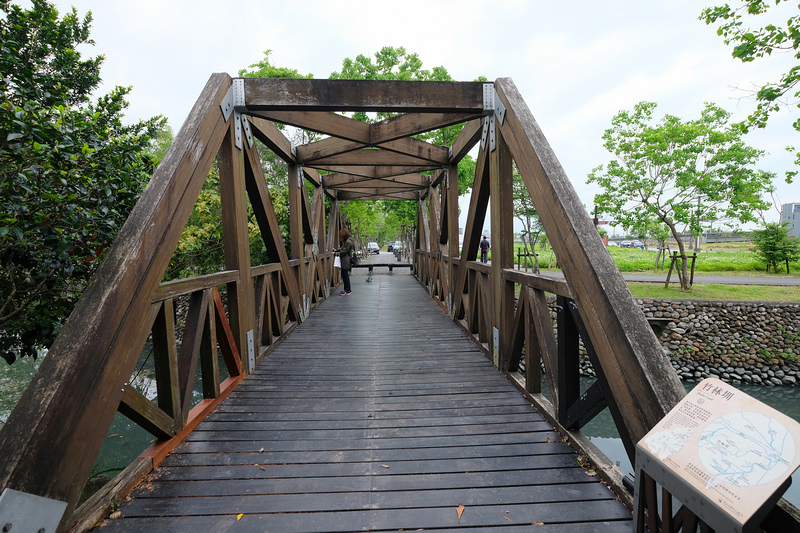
(746, 449)
(733, 449)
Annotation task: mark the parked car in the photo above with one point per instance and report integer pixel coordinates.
(373, 248)
(390, 247)
(626, 244)
(637, 244)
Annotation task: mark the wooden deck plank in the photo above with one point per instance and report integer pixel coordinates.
(374, 415)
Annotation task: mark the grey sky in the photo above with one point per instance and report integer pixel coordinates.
(576, 63)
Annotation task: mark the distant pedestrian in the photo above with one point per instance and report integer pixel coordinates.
(485, 250)
(346, 250)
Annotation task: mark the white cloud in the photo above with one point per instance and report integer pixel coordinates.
(575, 63)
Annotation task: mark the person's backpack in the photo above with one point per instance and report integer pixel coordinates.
(353, 258)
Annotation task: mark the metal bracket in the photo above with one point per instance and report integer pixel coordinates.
(251, 350)
(247, 133)
(496, 347)
(237, 129)
(488, 98)
(227, 104)
(494, 110)
(299, 176)
(294, 151)
(20, 511)
(449, 153)
(238, 94)
(234, 101)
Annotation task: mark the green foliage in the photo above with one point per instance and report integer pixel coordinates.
(71, 172)
(525, 211)
(775, 247)
(750, 44)
(265, 69)
(396, 64)
(200, 248)
(680, 173)
(275, 169)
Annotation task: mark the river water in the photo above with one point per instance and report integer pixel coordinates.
(126, 440)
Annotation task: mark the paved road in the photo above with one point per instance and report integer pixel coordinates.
(732, 280)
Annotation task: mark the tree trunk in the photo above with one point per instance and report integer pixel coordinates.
(685, 281)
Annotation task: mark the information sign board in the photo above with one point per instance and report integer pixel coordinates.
(722, 453)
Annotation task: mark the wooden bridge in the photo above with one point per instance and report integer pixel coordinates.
(368, 412)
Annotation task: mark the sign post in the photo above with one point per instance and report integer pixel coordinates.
(724, 455)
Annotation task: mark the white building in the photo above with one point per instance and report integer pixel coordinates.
(790, 213)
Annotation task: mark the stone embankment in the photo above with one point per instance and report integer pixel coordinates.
(739, 342)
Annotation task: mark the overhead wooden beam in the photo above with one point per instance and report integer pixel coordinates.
(284, 94)
(374, 157)
(313, 176)
(409, 124)
(377, 195)
(386, 171)
(466, 140)
(266, 132)
(644, 383)
(332, 146)
(338, 180)
(323, 122)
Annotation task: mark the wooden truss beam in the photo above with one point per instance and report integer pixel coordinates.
(282, 94)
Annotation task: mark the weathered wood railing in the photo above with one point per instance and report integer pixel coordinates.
(197, 304)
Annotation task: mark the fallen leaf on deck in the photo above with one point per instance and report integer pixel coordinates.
(385, 466)
(261, 468)
(239, 516)
(115, 515)
(549, 439)
(507, 518)
(261, 450)
(460, 511)
(538, 524)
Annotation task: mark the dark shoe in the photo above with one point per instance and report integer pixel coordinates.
(348, 293)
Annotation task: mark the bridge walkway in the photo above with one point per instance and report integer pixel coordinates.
(376, 414)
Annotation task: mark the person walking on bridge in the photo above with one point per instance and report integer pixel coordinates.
(346, 250)
(484, 250)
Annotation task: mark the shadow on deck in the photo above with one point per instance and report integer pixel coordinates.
(376, 414)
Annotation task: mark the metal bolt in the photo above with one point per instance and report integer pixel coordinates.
(7, 527)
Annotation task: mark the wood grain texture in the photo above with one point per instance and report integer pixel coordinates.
(645, 385)
(51, 439)
(363, 95)
(392, 430)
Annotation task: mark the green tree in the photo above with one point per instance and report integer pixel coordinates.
(774, 245)
(525, 212)
(397, 64)
(750, 44)
(70, 171)
(682, 173)
(275, 169)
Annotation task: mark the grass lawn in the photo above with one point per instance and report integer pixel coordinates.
(716, 291)
(735, 260)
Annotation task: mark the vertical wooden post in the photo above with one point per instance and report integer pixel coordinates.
(568, 375)
(452, 228)
(296, 226)
(236, 242)
(502, 218)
